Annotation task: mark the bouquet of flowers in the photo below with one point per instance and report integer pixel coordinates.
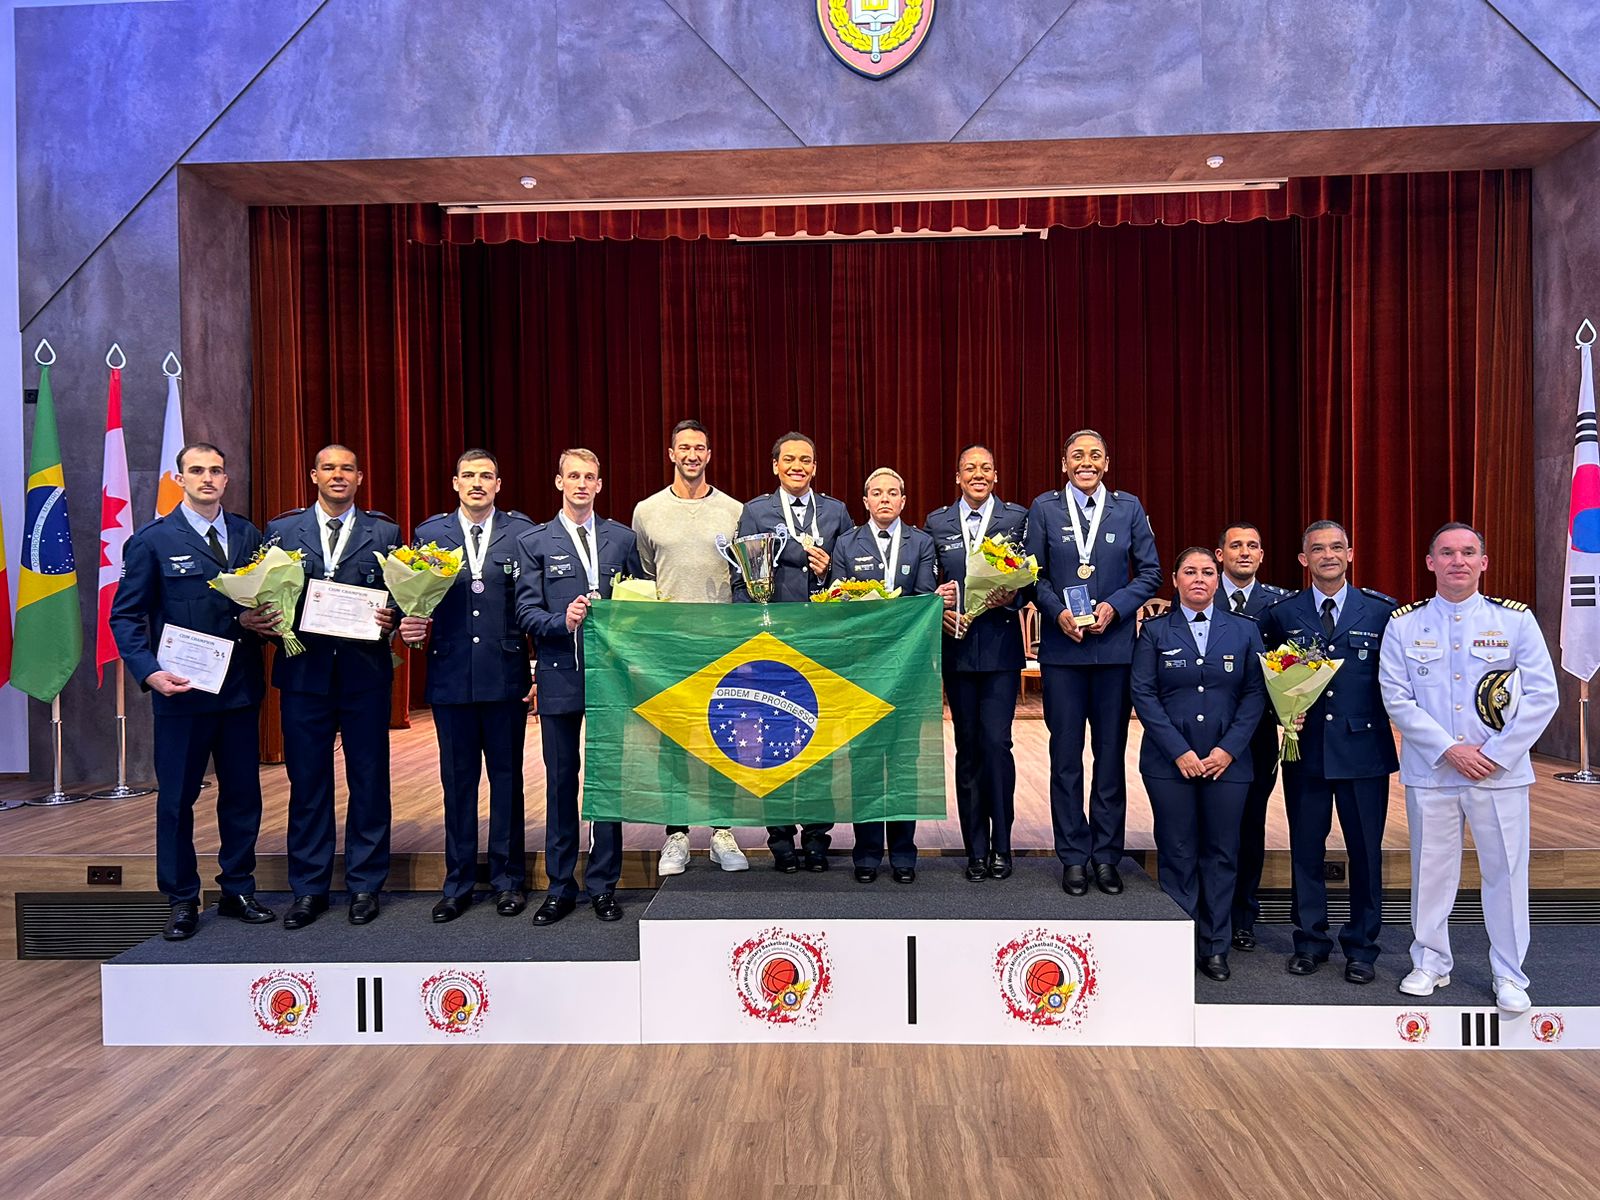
(272, 576)
(996, 566)
(854, 589)
(626, 587)
(1295, 677)
(419, 576)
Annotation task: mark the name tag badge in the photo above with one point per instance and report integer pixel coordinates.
(1425, 643)
(1177, 662)
(559, 570)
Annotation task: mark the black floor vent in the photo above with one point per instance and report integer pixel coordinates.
(1571, 906)
(84, 925)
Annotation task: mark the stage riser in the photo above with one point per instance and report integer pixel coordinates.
(1420, 1027)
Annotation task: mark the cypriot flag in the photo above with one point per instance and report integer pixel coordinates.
(1580, 616)
(168, 490)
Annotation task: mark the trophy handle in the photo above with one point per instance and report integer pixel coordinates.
(722, 549)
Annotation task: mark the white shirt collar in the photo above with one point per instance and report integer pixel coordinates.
(1451, 607)
(467, 522)
(785, 498)
(199, 524)
(1099, 496)
(324, 516)
(1230, 587)
(893, 530)
(1191, 615)
(571, 526)
(983, 510)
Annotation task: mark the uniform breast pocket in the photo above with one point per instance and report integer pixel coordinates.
(184, 581)
(1424, 664)
(1491, 654)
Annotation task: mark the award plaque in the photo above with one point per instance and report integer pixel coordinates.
(1079, 604)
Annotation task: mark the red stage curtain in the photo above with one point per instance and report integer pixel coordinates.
(1313, 197)
(1370, 364)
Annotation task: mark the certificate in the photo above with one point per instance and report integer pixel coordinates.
(340, 610)
(198, 657)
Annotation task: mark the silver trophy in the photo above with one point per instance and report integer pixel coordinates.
(754, 557)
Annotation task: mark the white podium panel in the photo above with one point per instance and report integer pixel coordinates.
(1419, 1026)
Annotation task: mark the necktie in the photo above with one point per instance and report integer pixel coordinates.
(477, 538)
(333, 537)
(1198, 628)
(883, 549)
(215, 543)
(1327, 616)
(973, 517)
(799, 514)
(588, 557)
(1239, 601)
(1088, 505)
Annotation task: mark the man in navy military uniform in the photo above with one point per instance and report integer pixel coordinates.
(983, 667)
(1089, 536)
(337, 686)
(1240, 553)
(478, 684)
(1346, 754)
(814, 523)
(167, 569)
(899, 556)
(565, 564)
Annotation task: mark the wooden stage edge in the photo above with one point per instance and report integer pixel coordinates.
(51, 850)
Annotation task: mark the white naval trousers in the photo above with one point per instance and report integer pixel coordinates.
(1498, 818)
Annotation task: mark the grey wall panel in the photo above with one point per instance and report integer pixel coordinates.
(1567, 32)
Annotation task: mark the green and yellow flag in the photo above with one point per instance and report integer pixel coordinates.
(49, 627)
(698, 714)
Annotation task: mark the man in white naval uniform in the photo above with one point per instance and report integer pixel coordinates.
(1468, 680)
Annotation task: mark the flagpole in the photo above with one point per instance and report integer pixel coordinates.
(122, 791)
(56, 797)
(1583, 775)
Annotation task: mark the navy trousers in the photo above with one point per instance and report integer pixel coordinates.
(780, 838)
(560, 739)
(1100, 697)
(182, 747)
(1363, 808)
(473, 737)
(1253, 841)
(1197, 849)
(982, 706)
(310, 721)
(902, 837)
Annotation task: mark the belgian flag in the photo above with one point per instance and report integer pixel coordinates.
(49, 626)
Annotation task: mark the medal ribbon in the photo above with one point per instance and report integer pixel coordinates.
(1085, 544)
(475, 564)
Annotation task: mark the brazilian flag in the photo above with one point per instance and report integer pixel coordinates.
(700, 714)
(49, 627)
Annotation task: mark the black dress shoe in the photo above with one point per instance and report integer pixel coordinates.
(786, 860)
(1359, 972)
(1215, 967)
(510, 903)
(451, 907)
(185, 919)
(976, 871)
(244, 908)
(606, 906)
(304, 910)
(1075, 881)
(1303, 964)
(1243, 939)
(999, 866)
(866, 874)
(816, 860)
(1107, 879)
(904, 874)
(363, 908)
(553, 909)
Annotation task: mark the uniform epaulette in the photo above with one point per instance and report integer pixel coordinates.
(148, 524)
(1020, 508)
(293, 512)
(1405, 608)
(1377, 595)
(381, 516)
(1281, 593)
(512, 512)
(435, 517)
(941, 509)
(1513, 605)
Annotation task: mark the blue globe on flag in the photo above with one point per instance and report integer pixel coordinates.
(762, 714)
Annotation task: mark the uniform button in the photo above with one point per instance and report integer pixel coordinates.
(474, 641)
(1458, 708)
(1327, 716)
(1201, 688)
(1458, 645)
(1461, 737)
(1199, 662)
(1458, 674)
(1458, 617)
(1200, 716)
(474, 612)
(1330, 691)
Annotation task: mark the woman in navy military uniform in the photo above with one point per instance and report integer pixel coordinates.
(1199, 693)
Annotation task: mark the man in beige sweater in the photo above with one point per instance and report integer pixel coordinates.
(677, 530)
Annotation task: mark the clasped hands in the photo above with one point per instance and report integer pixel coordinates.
(1104, 614)
(1192, 766)
(1471, 762)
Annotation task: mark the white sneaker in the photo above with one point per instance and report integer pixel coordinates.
(725, 852)
(1422, 983)
(1508, 997)
(674, 855)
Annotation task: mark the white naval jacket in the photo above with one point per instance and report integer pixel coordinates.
(1434, 652)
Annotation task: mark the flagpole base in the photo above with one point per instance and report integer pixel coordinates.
(1584, 777)
(121, 792)
(8, 805)
(54, 800)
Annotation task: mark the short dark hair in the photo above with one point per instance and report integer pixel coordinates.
(1189, 552)
(317, 457)
(188, 446)
(691, 425)
(1451, 527)
(1318, 527)
(792, 436)
(476, 452)
(1222, 538)
(1078, 433)
(962, 453)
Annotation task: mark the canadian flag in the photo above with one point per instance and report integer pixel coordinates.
(116, 525)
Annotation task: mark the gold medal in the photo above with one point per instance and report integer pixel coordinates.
(1085, 570)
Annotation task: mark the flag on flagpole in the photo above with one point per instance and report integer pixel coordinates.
(5, 609)
(1580, 615)
(168, 490)
(116, 525)
(49, 626)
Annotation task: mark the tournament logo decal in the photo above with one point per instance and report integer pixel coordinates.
(1547, 1027)
(455, 1001)
(284, 1003)
(875, 38)
(1047, 979)
(1413, 1027)
(781, 977)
